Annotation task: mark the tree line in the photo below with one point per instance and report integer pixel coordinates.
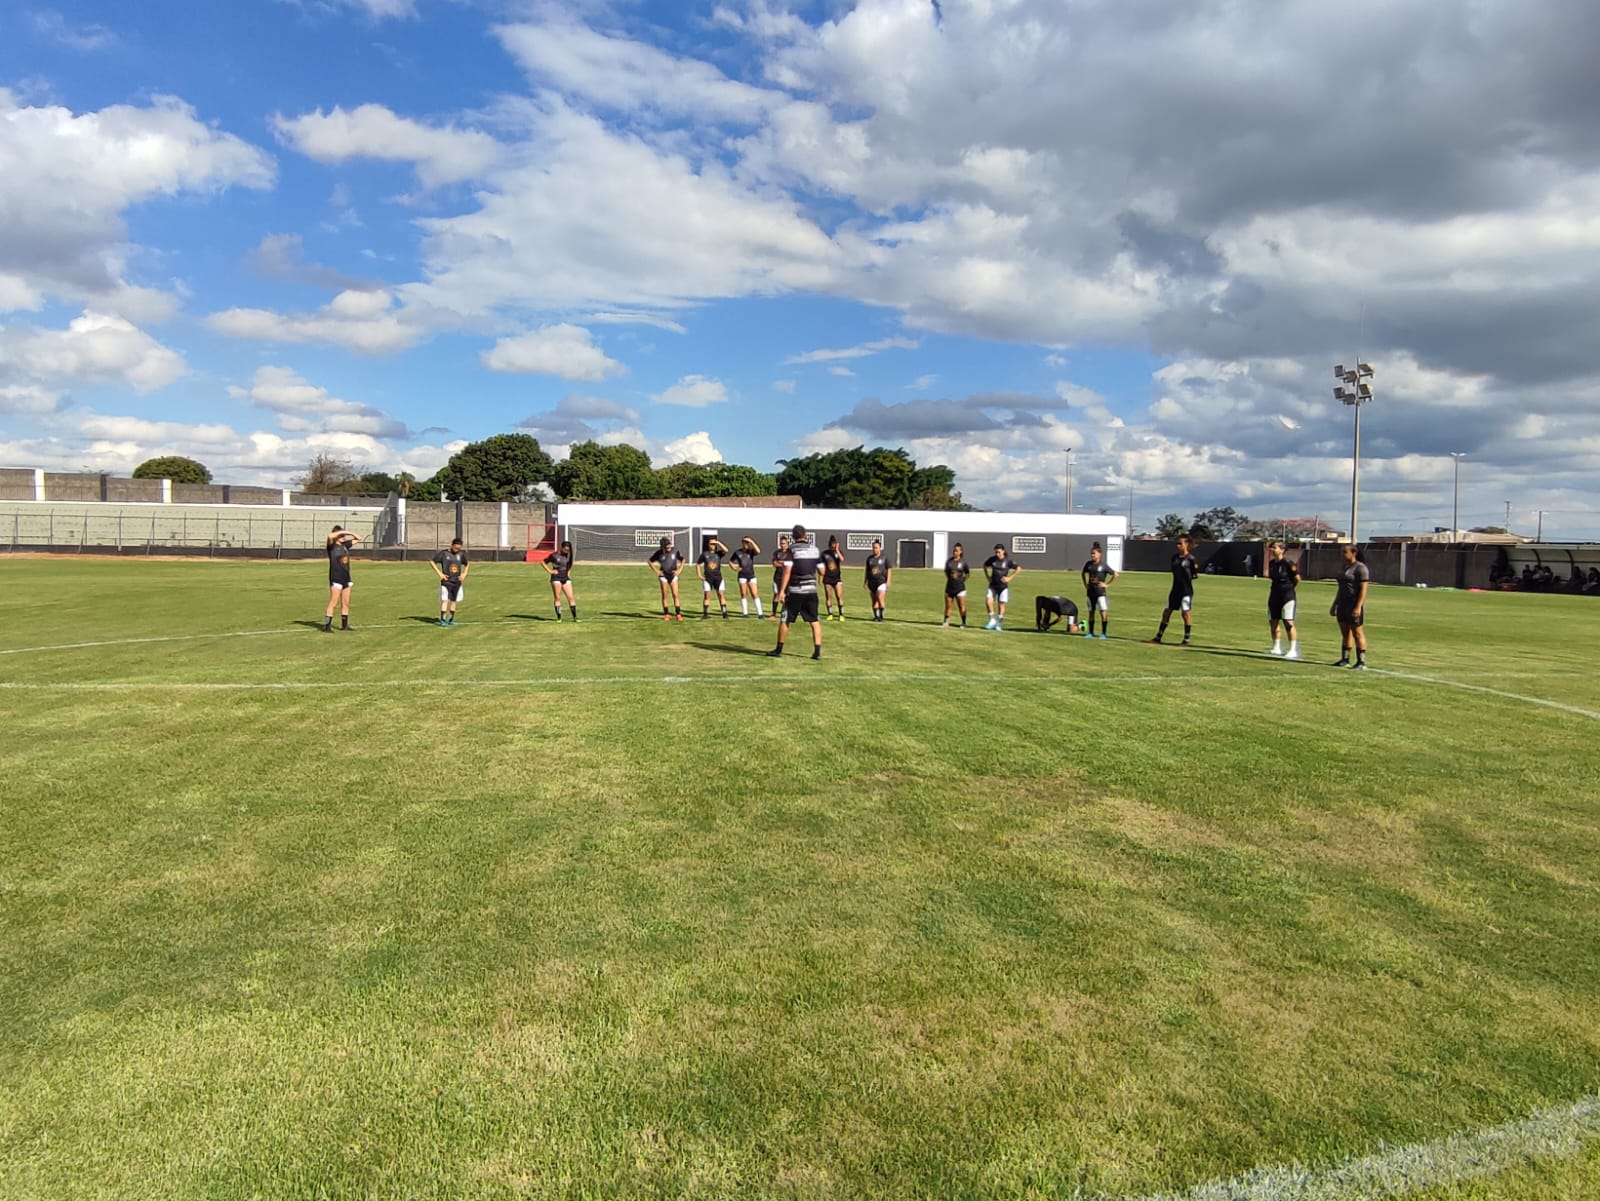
(1228, 525)
(514, 467)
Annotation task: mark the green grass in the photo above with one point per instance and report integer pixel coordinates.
(624, 910)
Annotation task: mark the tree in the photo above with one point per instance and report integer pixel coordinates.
(713, 480)
(378, 483)
(175, 468)
(504, 467)
(594, 472)
(1171, 527)
(328, 474)
(1221, 523)
(858, 478)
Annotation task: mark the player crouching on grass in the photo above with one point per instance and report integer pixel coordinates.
(1047, 610)
(798, 588)
(451, 568)
(665, 563)
(340, 540)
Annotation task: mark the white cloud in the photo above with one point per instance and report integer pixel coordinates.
(922, 383)
(95, 348)
(83, 38)
(28, 398)
(786, 386)
(440, 155)
(66, 178)
(691, 448)
(653, 319)
(853, 352)
(566, 351)
(303, 407)
(841, 371)
(383, 10)
(693, 391)
(362, 321)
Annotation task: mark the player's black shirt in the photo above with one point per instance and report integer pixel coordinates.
(998, 568)
(832, 561)
(779, 558)
(1184, 569)
(668, 559)
(956, 571)
(1284, 576)
(1096, 576)
(562, 565)
(1350, 581)
(877, 569)
(744, 562)
(712, 561)
(339, 561)
(453, 563)
(803, 559)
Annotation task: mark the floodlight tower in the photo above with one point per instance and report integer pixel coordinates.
(1455, 498)
(1355, 392)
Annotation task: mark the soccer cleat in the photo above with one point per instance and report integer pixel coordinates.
(945, 624)
(680, 616)
(1275, 650)
(1343, 661)
(776, 653)
(443, 622)
(1185, 642)
(1156, 641)
(1293, 653)
(816, 652)
(1359, 665)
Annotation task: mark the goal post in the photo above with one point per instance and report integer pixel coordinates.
(623, 546)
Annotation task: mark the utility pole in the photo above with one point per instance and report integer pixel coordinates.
(1069, 479)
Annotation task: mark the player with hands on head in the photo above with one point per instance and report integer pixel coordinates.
(709, 568)
(744, 563)
(340, 542)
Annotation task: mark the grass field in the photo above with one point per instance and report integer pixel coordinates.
(625, 910)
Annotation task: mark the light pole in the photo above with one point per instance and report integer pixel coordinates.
(1359, 393)
(1069, 479)
(1455, 498)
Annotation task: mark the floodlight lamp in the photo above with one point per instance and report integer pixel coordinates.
(1338, 393)
(1339, 370)
(1364, 392)
(1364, 368)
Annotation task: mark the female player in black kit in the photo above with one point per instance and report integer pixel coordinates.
(559, 565)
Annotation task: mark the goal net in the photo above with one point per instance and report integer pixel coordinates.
(623, 546)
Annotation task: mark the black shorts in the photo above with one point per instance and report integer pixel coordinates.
(452, 587)
(1276, 606)
(1349, 617)
(668, 577)
(953, 589)
(747, 579)
(832, 581)
(338, 581)
(714, 581)
(1180, 600)
(800, 606)
(560, 579)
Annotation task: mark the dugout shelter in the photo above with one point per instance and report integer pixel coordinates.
(626, 533)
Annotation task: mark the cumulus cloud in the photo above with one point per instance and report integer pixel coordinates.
(364, 321)
(282, 257)
(105, 162)
(566, 351)
(94, 348)
(579, 418)
(693, 391)
(303, 407)
(691, 448)
(440, 155)
(853, 352)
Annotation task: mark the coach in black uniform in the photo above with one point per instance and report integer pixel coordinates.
(340, 540)
(665, 563)
(1181, 598)
(1285, 577)
(799, 590)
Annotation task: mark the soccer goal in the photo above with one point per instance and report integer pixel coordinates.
(623, 546)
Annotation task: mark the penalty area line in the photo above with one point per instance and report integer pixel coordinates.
(1558, 1132)
(1484, 689)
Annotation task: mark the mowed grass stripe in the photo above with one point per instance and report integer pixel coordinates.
(1014, 931)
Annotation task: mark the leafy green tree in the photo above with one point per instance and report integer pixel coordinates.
(857, 478)
(503, 467)
(713, 480)
(328, 474)
(594, 472)
(1222, 523)
(1171, 526)
(378, 483)
(176, 468)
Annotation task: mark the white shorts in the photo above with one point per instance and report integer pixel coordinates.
(444, 593)
(1101, 604)
(1186, 604)
(1287, 612)
(1003, 596)
(705, 586)
(881, 589)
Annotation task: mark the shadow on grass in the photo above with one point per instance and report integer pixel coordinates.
(637, 616)
(723, 648)
(427, 621)
(527, 617)
(310, 625)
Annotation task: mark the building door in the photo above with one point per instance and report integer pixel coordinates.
(913, 553)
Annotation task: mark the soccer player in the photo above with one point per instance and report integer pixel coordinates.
(1001, 569)
(1181, 598)
(1350, 608)
(709, 568)
(878, 575)
(559, 565)
(744, 562)
(451, 568)
(798, 587)
(666, 563)
(1047, 610)
(1097, 577)
(779, 558)
(1285, 576)
(832, 577)
(340, 540)
(956, 571)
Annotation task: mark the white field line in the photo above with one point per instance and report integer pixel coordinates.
(1540, 701)
(1555, 1133)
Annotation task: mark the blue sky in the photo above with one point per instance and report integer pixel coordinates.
(987, 231)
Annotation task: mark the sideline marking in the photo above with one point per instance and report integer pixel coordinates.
(1555, 1133)
(1559, 706)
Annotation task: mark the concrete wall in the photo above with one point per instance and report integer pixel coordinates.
(16, 483)
(25, 524)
